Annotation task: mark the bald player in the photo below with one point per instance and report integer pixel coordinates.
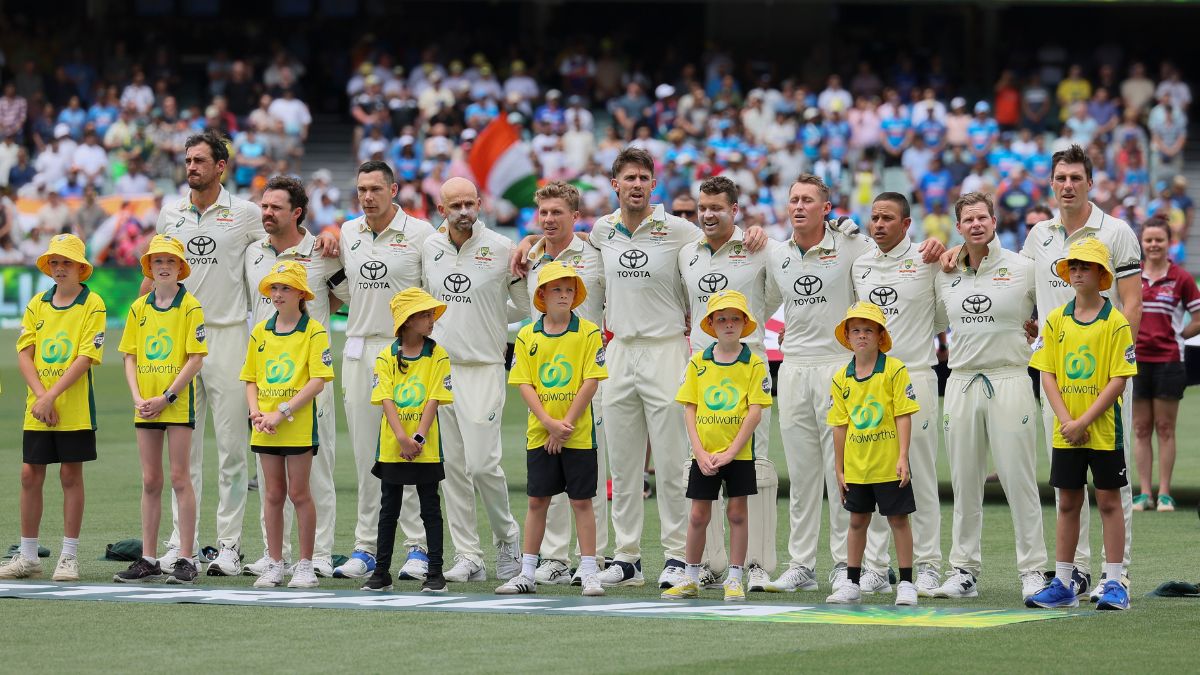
(721, 261)
(216, 228)
(895, 278)
(465, 265)
(284, 207)
(558, 211)
(381, 254)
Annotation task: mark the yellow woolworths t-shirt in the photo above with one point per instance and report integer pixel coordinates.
(162, 340)
(723, 394)
(1084, 357)
(281, 364)
(556, 366)
(426, 378)
(58, 336)
(869, 408)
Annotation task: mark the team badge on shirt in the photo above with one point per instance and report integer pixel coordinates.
(766, 384)
(327, 357)
(600, 356)
(200, 333)
(447, 383)
(910, 393)
(1130, 355)
(98, 341)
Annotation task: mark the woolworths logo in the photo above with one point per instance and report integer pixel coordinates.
(868, 415)
(721, 397)
(159, 345)
(280, 369)
(409, 393)
(557, 373)
(57, 349)
(1080, 365)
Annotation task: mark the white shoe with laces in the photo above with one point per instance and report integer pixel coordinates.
(552, 573)
(873, 582)
(303, 575)
(906, 594)
(673, 574)
(227, 564)
(1032, 583)
(798, 578)
(518, 585)
(592, 587)
(259, 566)
(67, 569)
(838, 576)
(848, 593)
(928, 581)
(272, 577)
(21, 567)
(961, 584)
(757, 579)
(464, 570)
(323, 568)
(709, 578)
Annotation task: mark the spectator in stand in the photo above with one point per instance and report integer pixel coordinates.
(54, 216)
(519, 82)
(8, 157)
(1105, 111)
(89, 215)
(928, 108)
(1137, 91)
(577, 114)
(52, 163)
(629, 110)
(487, 85)
(866, 130)
(957, 121)
(105, 111)
(1168, 135)
(1172, 84)
(865, 84)
(834, 96)
(551, 113)
(1183, 202)
(1036, 105)
(1082, 126)
(434, 95)
(293, 114)
(1074, 88)
(982, 132)
(241, 90)
(91, 160)
(22, 173)
(135, 182)
(74, 116)
(137, 94)
(13, 112)
(1008, 101)
(935, 187)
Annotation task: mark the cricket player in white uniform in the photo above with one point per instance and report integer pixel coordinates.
(1046, 244)
(466, 266)
(895, 278)
(558, 211)
(216, 229)
(811, 274)
(989, 403)
(284, 206)
(721, 261)
(381, 254)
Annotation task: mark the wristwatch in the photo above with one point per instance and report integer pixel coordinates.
(287, 411)
(419, 439)
(171, 396)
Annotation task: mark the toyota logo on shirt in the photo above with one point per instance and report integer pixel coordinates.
(201, 245)
(976, 304)
(373, 270)
(1055, 280)
(712, 282)
(808, 285)
(457, 283)
(633, 261)
(883, 296)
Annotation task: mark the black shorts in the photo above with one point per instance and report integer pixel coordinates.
(409, 473)
(892, 499)
(58, 447)
(1160, 380)
(162, 426)
(738, 477)
(283, 451)
(1069, 467)
(572, 471)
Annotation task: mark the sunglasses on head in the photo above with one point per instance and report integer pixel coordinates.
(684, 213)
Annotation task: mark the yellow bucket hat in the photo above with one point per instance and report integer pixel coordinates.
(1090, 250)
(287, 273)
(553, 272)
(165, 243)
(70, 247)
(410, 301)
(871, 312)
(727, 300)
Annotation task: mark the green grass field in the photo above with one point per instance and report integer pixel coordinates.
(182, 638)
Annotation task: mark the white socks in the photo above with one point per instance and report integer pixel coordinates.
(70, 547)
(587, 565)
(528, 564)
(1063, 572)
(1113, 570)
(29, 548)
(735, 572)
(693, 572)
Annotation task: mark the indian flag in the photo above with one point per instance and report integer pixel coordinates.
(500, 160)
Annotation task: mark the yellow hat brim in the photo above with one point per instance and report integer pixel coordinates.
(43, 261)
(1063, 271)
(300, 284)
(885, 338)
(732, 300)
(185, 270)
(580, 292)
(402, 315)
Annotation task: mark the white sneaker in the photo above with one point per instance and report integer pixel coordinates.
(757, 579)
(167, 560)
(272, 577)
(618, 574)
(227, 564)
(592, 587)
(709, 578)
(906, 594)
(928, 581)
(464, 570)
(67, 569)
(21, 567)
(847, 593)
(416, 565)
(518, 585)
(872, 582)
(323, 568)
(838, 576)
(552, 573)
(303, 575)
(508, 561)
(961, 584)
(256, 568)
(1032, 583)
(798, 578)
(673, 574)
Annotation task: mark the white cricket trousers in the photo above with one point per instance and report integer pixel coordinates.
(218, 389)
(320, 483)
(993, 410)
(557, 540)
(1083, 551)
(644, 375)
(760, 507)
(808, 449)
(362, 421)
(471, 447)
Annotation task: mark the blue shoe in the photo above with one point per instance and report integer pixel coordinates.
(1113, 596)
(360, 566)
(1053, 596)
(416, 566)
